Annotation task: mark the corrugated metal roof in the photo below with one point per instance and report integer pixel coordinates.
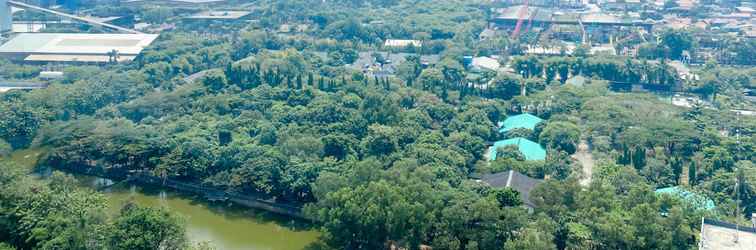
(485, 62)
(697, 200)
(75, 58)
(515, 180)
(531, 150)
(65, 43)
(520, 121)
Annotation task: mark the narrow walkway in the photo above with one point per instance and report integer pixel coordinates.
(584, 156)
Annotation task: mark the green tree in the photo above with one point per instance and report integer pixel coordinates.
(381, 140)
(147, 228)
(677, 41)
(507, 197)
(215, 80)
(531, 239)
(506, 86)
(561, 135)
(19, 122)
(431, 78)
(510, 152)
(5, 148)
(692, 175)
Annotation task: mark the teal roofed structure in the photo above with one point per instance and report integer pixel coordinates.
(525, 120)
(531, 150)
(697, 200)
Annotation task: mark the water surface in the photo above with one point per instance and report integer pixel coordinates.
(223, 225)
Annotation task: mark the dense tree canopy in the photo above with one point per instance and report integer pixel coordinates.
(57, 214)
(380, 158)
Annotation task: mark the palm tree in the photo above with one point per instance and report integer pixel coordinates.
(113, 56)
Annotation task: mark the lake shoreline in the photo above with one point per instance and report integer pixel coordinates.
(93, 168)
(225, 224)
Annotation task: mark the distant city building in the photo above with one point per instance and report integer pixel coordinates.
(219, 15)
(50, 75)
(174, 2)
(603, 50)
(291, 28)
(399, 43)
(485, 63)
(549, 3)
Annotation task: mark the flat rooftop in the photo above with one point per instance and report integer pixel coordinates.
(538, 14)
(85, 46)
(27, 28)
(176, 1)
(219, 15)
(197, 1)
(721, 236)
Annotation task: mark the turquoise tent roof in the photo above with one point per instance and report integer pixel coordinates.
(531, 150)
(519, 121)
(700, 201)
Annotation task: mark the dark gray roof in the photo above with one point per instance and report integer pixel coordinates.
(514, 180)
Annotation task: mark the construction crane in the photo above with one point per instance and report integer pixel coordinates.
(520, 19)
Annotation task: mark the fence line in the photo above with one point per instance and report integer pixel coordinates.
(729, 225)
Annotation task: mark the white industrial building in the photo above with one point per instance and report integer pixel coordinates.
(67, 47)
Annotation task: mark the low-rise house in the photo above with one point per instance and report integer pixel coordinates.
(485, 63)
(399, 43)
(548, 51)
(514, 180)
(603, 50)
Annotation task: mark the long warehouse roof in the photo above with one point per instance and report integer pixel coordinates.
(78, 44)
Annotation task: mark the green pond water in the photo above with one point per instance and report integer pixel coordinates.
(223, 225)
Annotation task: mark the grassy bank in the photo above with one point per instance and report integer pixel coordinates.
(25, 158)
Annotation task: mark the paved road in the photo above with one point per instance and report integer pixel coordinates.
(584, 156)
(193, 77)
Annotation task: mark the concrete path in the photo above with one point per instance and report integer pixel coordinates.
(584, 156)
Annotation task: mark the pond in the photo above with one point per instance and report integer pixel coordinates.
(223, 225)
